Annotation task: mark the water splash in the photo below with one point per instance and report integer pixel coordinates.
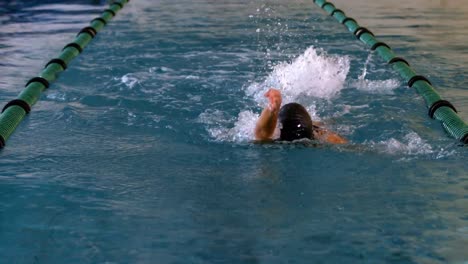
(411, 144)
(218, 125)
(314, 74)
(130, 80)
(377, 86)
(374, 86)
(311, 76)
(362, 77)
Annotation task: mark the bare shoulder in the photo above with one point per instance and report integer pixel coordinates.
(328, 136)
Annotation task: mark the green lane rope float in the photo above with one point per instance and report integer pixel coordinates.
(439, 109)
(15, 110)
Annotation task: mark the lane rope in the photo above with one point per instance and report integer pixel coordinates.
(438, 108)
(14, 111)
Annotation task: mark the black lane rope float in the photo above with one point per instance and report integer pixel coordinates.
(14, 111)
(439, 109)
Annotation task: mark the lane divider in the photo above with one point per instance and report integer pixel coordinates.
(439, 109)
(14, 111)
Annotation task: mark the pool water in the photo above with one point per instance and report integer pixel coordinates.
(142, 152)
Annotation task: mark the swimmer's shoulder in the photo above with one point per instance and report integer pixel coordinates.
(327, 136)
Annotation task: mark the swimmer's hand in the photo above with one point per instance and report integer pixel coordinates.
(274, 98)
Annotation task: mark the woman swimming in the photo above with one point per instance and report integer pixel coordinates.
(295, 122)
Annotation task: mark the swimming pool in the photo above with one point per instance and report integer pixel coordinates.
(141, 151)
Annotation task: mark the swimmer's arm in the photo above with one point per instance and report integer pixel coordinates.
(266, 124)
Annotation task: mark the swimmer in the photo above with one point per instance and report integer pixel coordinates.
(295, 122)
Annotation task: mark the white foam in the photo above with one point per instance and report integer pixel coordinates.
(313, 74)
(343, 109)
(214, 117)
(376, 86)
(57, 96)
(411, 144)
(130, 80)
(243, 129)
(218, 125)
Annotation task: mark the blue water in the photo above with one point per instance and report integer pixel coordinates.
(141, 151)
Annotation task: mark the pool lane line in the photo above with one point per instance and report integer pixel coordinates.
(438, 108)
(15, 110)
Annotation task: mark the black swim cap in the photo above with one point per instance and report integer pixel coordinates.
(295, 122)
